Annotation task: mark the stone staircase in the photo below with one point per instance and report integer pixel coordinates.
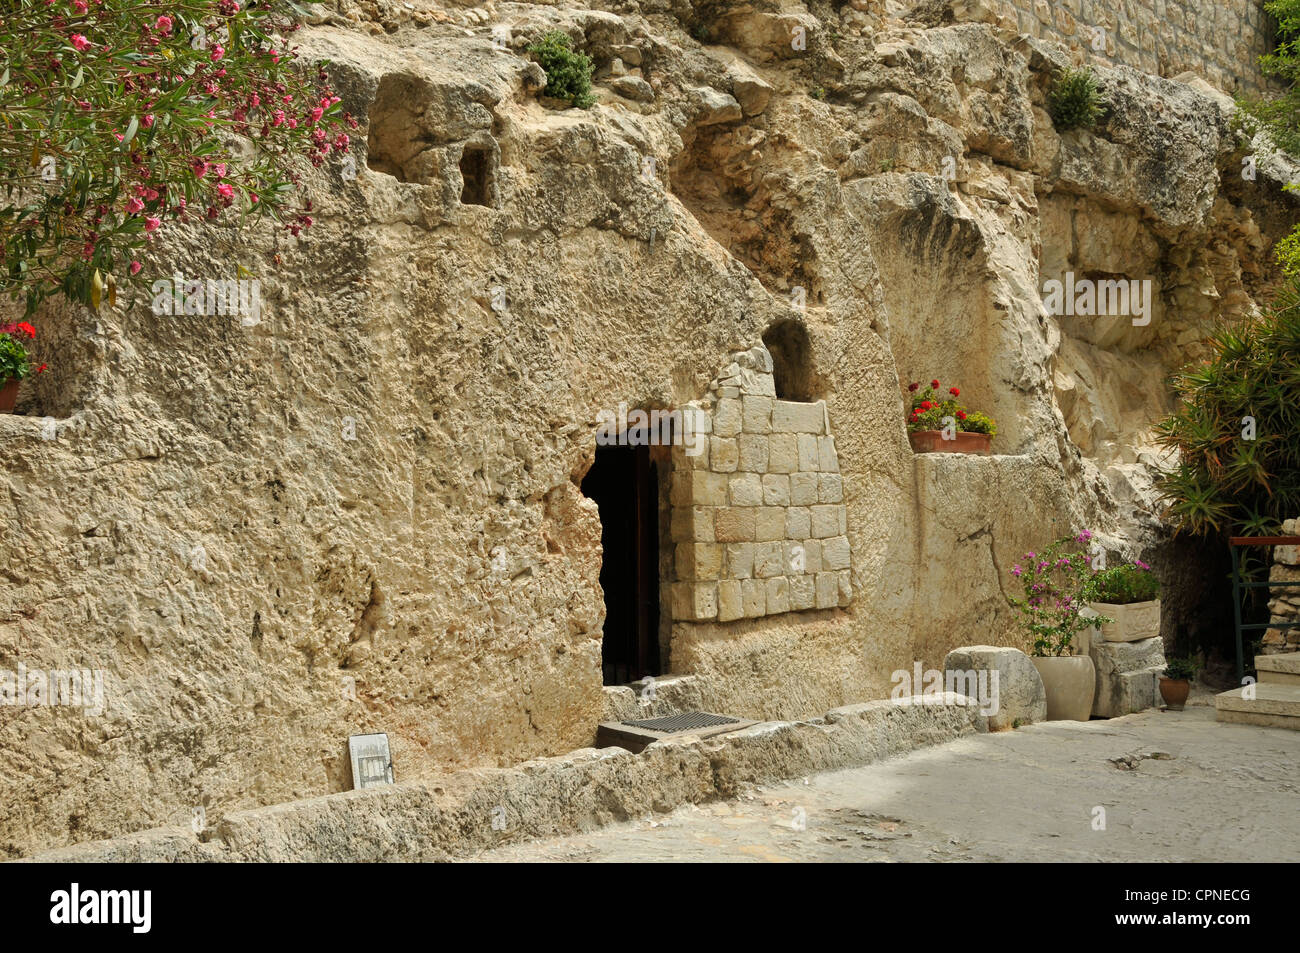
(1277, 695)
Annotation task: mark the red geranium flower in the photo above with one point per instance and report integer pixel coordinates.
(913, 387)
(961, 415)
(934, 384)
(26, 328)
(954, 391)
(926, 405)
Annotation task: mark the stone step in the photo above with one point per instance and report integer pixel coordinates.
(1274, 706)
(1279, 669)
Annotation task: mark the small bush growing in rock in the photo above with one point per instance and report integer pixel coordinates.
(568, 72)
(1075, 100)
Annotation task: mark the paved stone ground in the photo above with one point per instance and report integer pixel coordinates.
(1175, 787)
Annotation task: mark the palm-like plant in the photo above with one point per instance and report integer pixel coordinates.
(1233, 478)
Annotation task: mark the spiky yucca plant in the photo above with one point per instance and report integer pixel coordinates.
(1235, 478)
(1075, 100)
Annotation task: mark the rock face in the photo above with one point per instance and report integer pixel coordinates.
(363, 511)
(1020, 694)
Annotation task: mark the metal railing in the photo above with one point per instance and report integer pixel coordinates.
(1235, 543)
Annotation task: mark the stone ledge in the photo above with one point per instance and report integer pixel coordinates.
(453, 816)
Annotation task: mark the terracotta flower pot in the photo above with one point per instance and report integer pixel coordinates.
(1175, 691)
(1071, 683)
(931, 441)
(8, 395)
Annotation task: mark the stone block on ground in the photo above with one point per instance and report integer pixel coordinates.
(1128, 675)
(1020, 693)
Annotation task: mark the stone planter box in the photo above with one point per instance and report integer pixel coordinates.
(931, 441)
(1071, 683)
(1134, 621)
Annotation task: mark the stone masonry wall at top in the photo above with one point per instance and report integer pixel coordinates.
(758, 521)
(1218, 40)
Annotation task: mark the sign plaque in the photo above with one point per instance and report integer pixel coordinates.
(372, 764)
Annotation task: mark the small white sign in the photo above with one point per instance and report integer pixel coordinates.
(371, 762)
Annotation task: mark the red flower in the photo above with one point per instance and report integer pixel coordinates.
(934, 384)
(41, 368)
(913, 387)
(961, 415)
(954, 391)
(926, 405)
(26, 328)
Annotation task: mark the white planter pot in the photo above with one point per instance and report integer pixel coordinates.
(1070, 682)
(1134, 621)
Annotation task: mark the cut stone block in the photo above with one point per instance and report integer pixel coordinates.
(698, 561)
(776, 490)
(769, 523)
(727, 420)
(745, 489)
(757, 416)
(778, 595)
(753, 452)
(790, 416)
(730, 605)
(724, 454)
(740, 560)
(803, 488)
(734, 524)
(1020, 694)
(783, 453)
(1128, 675)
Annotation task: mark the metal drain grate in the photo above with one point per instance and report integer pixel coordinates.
(689, 721)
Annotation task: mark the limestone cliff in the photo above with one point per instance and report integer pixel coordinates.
(363, 512)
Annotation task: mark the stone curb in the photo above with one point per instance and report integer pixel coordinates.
(452, 817)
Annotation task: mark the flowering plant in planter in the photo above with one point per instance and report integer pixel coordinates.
(1057, 583)
(930, 406)
(15, 361)
(1126, 584)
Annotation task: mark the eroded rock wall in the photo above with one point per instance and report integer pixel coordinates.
(363, 513)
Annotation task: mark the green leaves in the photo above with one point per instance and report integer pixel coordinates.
(1237, 429)
(568, 73)
(1075, 100)
(135, 127)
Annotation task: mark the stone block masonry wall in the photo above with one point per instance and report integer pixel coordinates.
(1285, 604)
(759, 524)
(1219, 40)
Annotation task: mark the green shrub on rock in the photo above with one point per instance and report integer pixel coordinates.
(568, 72)
(1075, 100)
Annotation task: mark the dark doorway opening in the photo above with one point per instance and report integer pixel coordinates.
(792, 371)
(474, 174)
(624, 483)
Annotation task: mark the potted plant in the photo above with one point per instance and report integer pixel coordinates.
(1129, 595)
(1055, 582)
(15, 362)
(1176, 682)
(938, 423)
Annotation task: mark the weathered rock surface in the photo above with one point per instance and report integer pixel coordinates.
(363, 512)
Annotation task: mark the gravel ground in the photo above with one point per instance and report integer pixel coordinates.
(1174, 786)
